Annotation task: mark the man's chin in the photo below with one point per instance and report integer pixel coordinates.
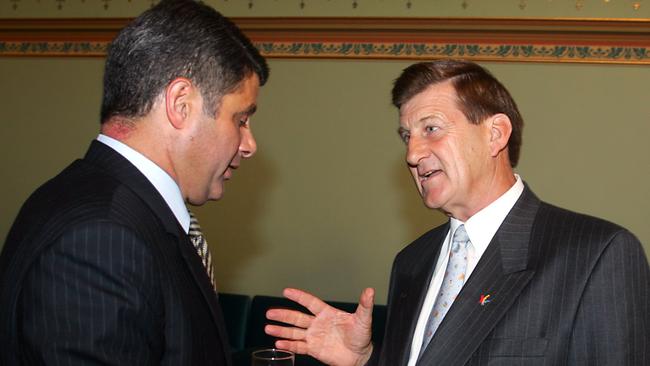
(432, 206)
(433, 203)
(198, 201)
(216, 194)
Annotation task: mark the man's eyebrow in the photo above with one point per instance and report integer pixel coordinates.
(248, 111)
(401, 130)
(251, 109)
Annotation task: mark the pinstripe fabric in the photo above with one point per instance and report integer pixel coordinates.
(96, 270)
(74, 284)
(566, 289)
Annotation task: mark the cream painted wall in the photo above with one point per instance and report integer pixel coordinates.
(327, 202)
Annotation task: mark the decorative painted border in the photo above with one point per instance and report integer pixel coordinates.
(618, 41)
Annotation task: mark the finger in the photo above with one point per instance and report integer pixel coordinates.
(290, 333)
(293, 346)
(311, 302)
(292, 317)
(364, 309)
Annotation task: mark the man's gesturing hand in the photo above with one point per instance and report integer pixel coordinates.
(330, 335)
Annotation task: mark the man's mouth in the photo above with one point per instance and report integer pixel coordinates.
(429, 174)
(229, 171)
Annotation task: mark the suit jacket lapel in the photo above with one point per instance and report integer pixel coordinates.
(412, 291)
(209, 294)
(503, 272)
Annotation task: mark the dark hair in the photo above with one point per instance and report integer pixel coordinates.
(176, 38)
(480, 94)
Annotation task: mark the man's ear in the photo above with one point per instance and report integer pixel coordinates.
(179, 101)
(500, 130)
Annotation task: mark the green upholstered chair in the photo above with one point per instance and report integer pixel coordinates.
(236, 311)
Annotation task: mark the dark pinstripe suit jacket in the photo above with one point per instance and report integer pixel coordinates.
(566, 289)
(96, 270)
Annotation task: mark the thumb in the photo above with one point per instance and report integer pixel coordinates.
(364, 309)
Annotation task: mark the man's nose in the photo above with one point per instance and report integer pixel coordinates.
(248, 145)
(416, 149)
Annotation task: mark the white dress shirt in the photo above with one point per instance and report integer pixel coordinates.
(163, 183)
(480, 228)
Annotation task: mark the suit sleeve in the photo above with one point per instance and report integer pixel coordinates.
(89, 300)
(613, 321)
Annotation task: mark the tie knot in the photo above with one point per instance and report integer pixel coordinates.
(195, 228)
(460, 238)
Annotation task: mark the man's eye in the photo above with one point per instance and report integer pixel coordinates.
(243, 122)
(430, 129)
(405, 137)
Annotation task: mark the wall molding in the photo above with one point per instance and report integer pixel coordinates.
(616, 41)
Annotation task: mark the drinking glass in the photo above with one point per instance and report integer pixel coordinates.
(272, 357)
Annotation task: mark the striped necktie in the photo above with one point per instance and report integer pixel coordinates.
(201, 246)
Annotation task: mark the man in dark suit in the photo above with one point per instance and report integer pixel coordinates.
(104, 264)
(509, 280)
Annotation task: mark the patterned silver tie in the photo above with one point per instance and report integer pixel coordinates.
(201, 245)
(451, 284)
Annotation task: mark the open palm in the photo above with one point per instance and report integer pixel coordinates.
(332, 336)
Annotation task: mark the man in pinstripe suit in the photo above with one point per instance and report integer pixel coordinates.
(535, 284)
(98, 267)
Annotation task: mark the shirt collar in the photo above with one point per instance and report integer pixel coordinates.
(484, 224)
(163, 183)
